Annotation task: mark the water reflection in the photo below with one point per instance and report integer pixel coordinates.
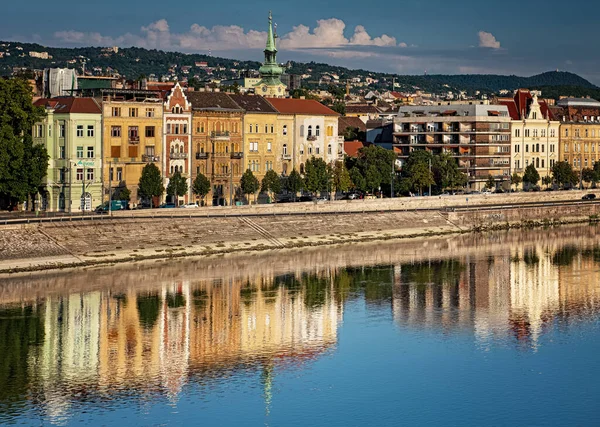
(156, 330)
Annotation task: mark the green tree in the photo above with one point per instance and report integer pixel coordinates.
(531, 176)
(417, 170)
(446, 173)
(177, 186)
(340, 177)
(23, 165)
(316, 176)
(490, 183)
(547, 180)
(515, 180)
(122, 193)
(151, 182)
(563, 174)
(358, 180)
(376, 165)
(201, 186)
(339, 107)
(249, 183)
(588, 175)
(271, 183)
(294, 183)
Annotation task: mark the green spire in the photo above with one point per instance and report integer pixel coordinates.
(270, 38)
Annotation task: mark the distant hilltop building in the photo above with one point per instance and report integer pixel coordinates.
(40, 55)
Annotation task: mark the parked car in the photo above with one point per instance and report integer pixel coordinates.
(116, 205)
(590, 196)
(167, 205)
(189, 205)
(321, 199)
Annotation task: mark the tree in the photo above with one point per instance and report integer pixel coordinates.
(340, 177)
(249, 183)
(358, 180)
(490, 183)
(375, 164)
(531, 176)
(201, 186)
(588, 175)
(177, 186)
(339, 107)
(122, 193)
(271, 183)
(446, 173)
(547, 180)
(23, 165)
(294, 183)
(316, 176)
(417, 170)
(515, 180)
(563, 174)
(596, 177)
(151, 182)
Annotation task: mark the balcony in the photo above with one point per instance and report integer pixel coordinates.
(287, 157)
(311, 138)
(178, 155)
(221, 175)
(147, 158)
(223, 136)
(134, 139)
(237, 155)
(201, 156)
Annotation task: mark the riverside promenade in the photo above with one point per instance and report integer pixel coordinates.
(58, 242)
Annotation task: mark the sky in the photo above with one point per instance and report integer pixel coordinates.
(397, 36)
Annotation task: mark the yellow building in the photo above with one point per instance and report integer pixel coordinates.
(261, 134)
(132, 137)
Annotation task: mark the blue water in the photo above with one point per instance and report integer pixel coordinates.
(386, 351)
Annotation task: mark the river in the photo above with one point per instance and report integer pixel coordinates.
(488, 329)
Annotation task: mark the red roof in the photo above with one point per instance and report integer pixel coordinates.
(351, 147)
(301, 106)
(518, 107)
(69, 105)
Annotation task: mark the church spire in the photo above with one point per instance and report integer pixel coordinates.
(271, 37)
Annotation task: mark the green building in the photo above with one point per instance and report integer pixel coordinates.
(72, 135)
(270, 84)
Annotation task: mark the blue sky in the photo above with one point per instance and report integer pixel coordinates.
(402, 36)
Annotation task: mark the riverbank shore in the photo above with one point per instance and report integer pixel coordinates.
(123, 239)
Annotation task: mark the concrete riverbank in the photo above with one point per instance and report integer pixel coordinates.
(49, 245)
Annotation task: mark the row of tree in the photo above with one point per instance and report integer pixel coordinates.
(563, 175)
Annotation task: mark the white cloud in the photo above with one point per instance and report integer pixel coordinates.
(488, 40)
(158, 35)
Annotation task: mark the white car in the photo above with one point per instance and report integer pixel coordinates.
(189, 205)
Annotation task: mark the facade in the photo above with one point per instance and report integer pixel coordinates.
(579, 132)
(270, 73)
(535, 133)
(217, 144)
(477, 135)
(261, 135)
(71, 133)
(177, 139)
(307, 129)
(133, 121)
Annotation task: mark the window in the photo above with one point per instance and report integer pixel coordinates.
(116, 111)
(285, 129)
(301, 130)
(39, 131)
(517, 133)
(317, 150)
(80, 131)
(256, 128)
(284, 149)
(133, 112)
(79, 174)
(202, 127)
(309, 149)
(111, 175)
(61, 130)
(566, 148)
(317, 130)
(543, 133)
(535, 133)
(543, 163)
(269, 146)
(61, 151)
(576, 133)
(566, 132)
(552, 133)
(119, 174)
(329, 150)
(526, 133)
(115, 151)
(50, 130)
(534, 115)
(80, 152)
(527, 148)
(551, 163)
(537, 148)
(115, 131)
(250, 129)
(62, 175)
(272, 129)
(133, 134)
(90, 152)
(149, 131)
(266, 129)
(586, 133)
(90, 175)
(149, 112)
(90, 131)
(542, 148)
(302, 150)
(309, 130)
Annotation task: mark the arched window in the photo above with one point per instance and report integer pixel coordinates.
(309, 148)
(284, 149)
(266, 129)
(285, 129)
(172, 170)
(302, 168)
(329, 149)
(317, 130)
(273, 129)
(537, 162)
(317, 150)
(301, 149)
(309, 130)
(256, 128)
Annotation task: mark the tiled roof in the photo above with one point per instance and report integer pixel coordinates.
(212, 101)
(70, 105)
(351, 147)
(301, 106)
(518, 107)
(253, 103)
(361, 109)
(350, 122)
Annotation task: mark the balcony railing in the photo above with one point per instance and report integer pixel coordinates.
(147, 158)
(200, 156)
(237, 155)
(134, 139)
(311, 138)
(220, 135)
(221, 175)
(287, 157)
(178, 155)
